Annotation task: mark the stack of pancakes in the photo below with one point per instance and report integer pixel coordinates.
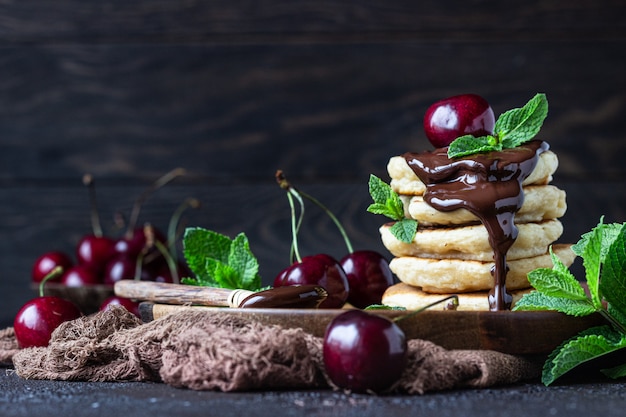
(451, 253)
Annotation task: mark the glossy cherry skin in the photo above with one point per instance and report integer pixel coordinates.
(47, 262)
(94, 252)
(37, 319)
(79, 276)
(129, 305)
(364, 352)
(368, 276)
(450, 118)
(119, 267)
(134, 243)
(322, 270)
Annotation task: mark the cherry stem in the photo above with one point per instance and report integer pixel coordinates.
(295, 226)
(152, 241)
(56, 271)
(172, 229)
(294, 230)
(95, 216)
(290, 188)
(134, 216)
(453, 298)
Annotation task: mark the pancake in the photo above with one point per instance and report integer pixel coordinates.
(404, 181)
(447, 276)
(412, 298)
(472, 242)
(541, 202)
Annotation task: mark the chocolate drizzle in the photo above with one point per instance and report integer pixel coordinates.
(488, 185)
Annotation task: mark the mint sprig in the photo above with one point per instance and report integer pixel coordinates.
(603, 251)
(512, 129)
(218, 261)
(388, 203)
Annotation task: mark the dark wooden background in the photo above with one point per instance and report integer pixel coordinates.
(327, 91)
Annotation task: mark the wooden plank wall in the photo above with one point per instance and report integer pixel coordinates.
(327, 91)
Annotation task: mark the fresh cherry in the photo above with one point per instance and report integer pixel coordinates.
(79, 276)
(95, 251)
(49, 261)
(37, 319)
(135, 241)
(322, 270)
(450, 118)
(128, 304)
(364, 352)
(368, 275)
(119, 267)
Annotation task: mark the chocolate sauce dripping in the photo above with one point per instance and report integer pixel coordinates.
(490, 186)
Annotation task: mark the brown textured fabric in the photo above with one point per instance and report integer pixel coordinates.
(8, 345)
(213, 351)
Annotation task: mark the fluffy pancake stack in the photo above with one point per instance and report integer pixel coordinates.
(451, 253)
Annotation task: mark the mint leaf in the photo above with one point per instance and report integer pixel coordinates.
(198, 243)
(609, 233)
(389, 204)
(218, 261)
(590, 344)
(604, 257)
(518, 126)
(592, 253)
(537, 301)
(615, 372)
(386, 201)
(512, 129)
(470, 145)
(613, 280)
(225, 275)
(557, 282)
(244, 263)
(404, 230)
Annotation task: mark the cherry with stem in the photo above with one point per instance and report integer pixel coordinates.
(367, 271)
(364, 352)
(38, 318)
(320, 269)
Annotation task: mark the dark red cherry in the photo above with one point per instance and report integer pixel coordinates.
(119, 267)
(37, 319)
(94, 251)
(133, 243)
(128, 304)
(368, 276)
(450, 118)
(322, 270)
(47, 262)
(364, 352)
(79, 276)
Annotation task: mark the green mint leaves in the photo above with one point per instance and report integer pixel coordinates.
(218, 261)
(388, 203)
(603, 251)
(513, 128)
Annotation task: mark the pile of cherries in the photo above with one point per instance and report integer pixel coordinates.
(141, 252)
(359, 278)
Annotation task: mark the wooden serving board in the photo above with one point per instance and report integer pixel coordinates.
(520, 332)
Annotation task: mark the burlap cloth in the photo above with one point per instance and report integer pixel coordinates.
(213, 351)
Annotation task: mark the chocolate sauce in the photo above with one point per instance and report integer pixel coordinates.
(488, 185)
(288, 296)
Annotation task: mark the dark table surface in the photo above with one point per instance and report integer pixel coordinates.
(19, 397)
